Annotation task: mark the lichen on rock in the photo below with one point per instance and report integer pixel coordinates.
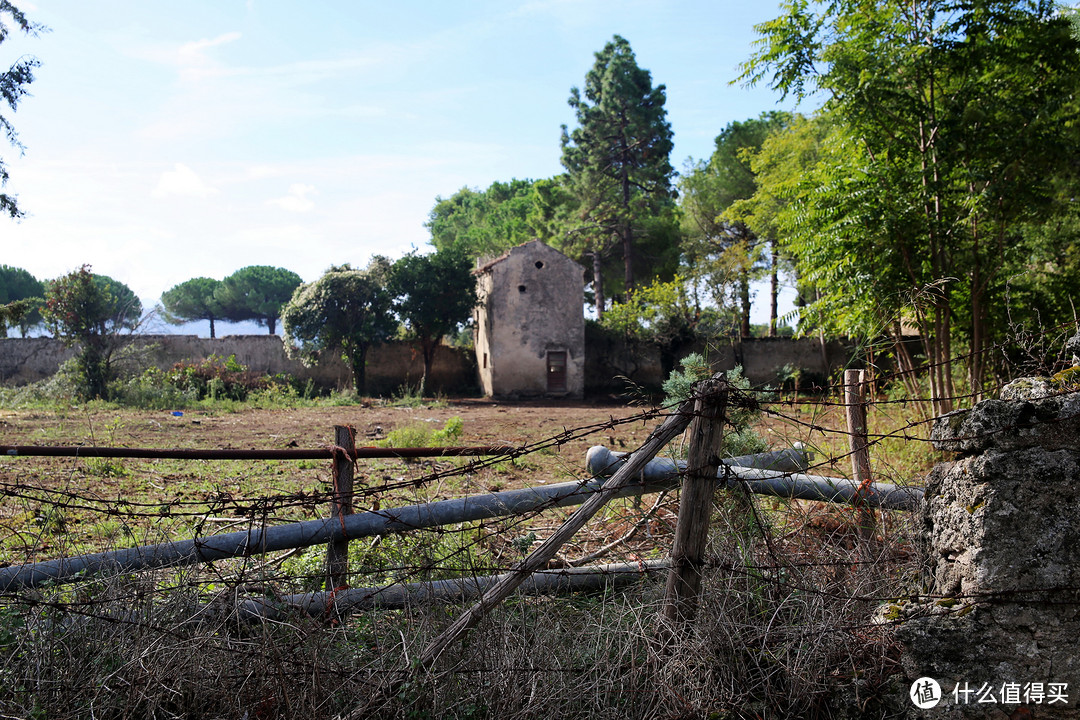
(1033, 416)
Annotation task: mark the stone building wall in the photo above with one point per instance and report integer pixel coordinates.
(531, 312)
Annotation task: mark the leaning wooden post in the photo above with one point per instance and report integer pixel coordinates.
(537, 560)
(855, 401)
(696, 502)
(337, 552)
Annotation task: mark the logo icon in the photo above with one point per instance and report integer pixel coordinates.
(925, 693)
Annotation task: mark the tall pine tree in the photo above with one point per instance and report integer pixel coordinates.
(617, 159)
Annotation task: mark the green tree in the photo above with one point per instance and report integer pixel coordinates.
(256, 292)
(484, 223)
(192, 299)
(433, 294)
(91, 311)
(720, 248)
(13, 84)
(953, 120)
(554, 212)
(789, 159)
(17, 313)
(21, 294)
(347, 311)
(617, 161)
(659, 314)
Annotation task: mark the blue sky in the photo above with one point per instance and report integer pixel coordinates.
(166, 141)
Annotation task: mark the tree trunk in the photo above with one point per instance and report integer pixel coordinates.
(947, 355)
(271, 324)
(598, 284)
(904, 361)
(627, 229)
(358, 361)
(94, 362)
(428, 348)
(774, 287)
(744, 296)
(212, 334)
(975, 365)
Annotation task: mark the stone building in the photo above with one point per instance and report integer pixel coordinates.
(530, 324)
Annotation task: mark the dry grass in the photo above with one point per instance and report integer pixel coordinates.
(772, 639)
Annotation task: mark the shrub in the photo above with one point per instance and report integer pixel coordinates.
(739, 437)
(421, 435)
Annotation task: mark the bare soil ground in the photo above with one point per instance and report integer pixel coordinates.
(485, 422)
(55, 505)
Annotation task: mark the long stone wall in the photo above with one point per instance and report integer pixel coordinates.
(609, 363)
(390, 366)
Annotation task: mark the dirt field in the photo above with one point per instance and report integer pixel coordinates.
(483, 423)
(51, 507)
(65, 505)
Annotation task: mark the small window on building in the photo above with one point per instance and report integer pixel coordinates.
(539, 264)
(521, 288)
(485, 361)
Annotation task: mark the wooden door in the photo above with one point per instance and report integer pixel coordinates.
(556, 372)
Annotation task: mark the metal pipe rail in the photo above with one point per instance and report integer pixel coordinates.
(601, 462)
(775, 480)
(400, 595)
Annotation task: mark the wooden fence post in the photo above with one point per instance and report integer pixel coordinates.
(696, 503)
(855, 401)
(337, 553)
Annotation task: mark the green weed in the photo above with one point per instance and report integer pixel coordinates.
(408, 436)
(413, 396)
(105, 467)
(421, 434)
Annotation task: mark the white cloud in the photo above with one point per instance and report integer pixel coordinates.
(184, 56)
(297, 199)
(192, 52)
(184, 182)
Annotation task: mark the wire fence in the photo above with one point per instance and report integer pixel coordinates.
(793, 589)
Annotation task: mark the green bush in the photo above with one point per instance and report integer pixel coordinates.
(739, 437)
(421, 435)
(215, 380)
(151, 390)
